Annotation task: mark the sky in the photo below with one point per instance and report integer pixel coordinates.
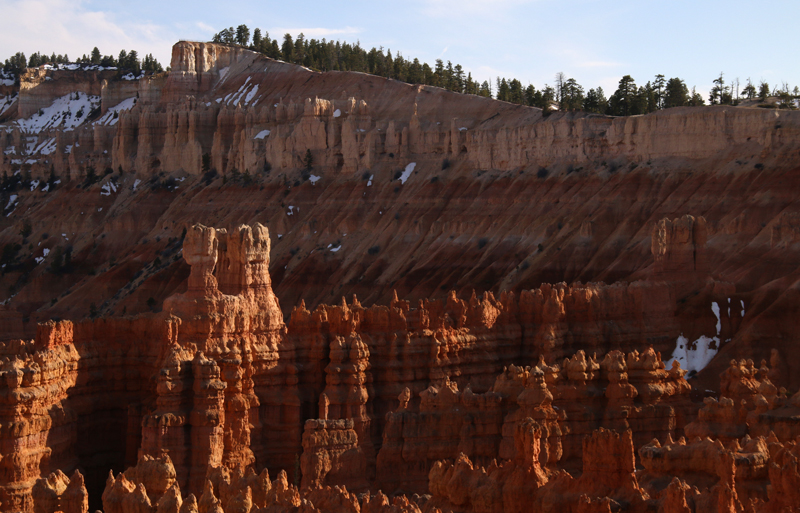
(594, 41)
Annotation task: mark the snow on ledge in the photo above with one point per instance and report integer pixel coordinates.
(262, 134)
(715, 309)
(407, 172)
(694, 356)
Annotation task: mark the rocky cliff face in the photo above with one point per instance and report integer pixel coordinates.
(445, 191)
(478, 302)
(216, 387)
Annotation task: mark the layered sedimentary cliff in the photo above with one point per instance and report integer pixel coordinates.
(217, 380)
(482, 308)
(410, 188)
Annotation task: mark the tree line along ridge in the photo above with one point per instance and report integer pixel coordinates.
(564, 94)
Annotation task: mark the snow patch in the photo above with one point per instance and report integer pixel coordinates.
(742, 302)
(369, 182)
(45, 251)
(291, 210)
(10, 150)
(11, 200)
(66, 112)
(34, 184)
(337, 248)
(76, 66)
(108, 188)
(243, 90)
(409, 169)
(694, 356)
(6, 101)
(223, 72)
(47, 147)
(314, 179)
(251, 94)
(109, 119)
(462, 129)
(337, 113)
(715, 309)
(262, 134)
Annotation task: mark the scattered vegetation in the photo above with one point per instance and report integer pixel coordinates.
(125, 62)
(61, 261)
(565, 93)
(209, 176)
(26, 229)
(91, 176)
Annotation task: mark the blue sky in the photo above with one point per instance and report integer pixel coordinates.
(593, 41)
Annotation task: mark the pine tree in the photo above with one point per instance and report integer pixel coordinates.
(622, 102)
(287, 49)
(132, 62)
(242, 35)
(300, 49)
(559, 81)
(571, 95)
(763, 91)
(720, 92)
(595, 101)
(749, 90)
(697, 99)
(95, 55)
(659, 85)
(676, 93)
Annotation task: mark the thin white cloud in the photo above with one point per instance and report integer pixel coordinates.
(70, 27)
(599, 64)
(317, 32)
(450, 8)
(206, 27)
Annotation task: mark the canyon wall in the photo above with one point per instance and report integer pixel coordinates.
(218, 380)
(481, 305)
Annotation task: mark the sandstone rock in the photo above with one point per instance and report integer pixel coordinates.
(59, 493)
(332, 456)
